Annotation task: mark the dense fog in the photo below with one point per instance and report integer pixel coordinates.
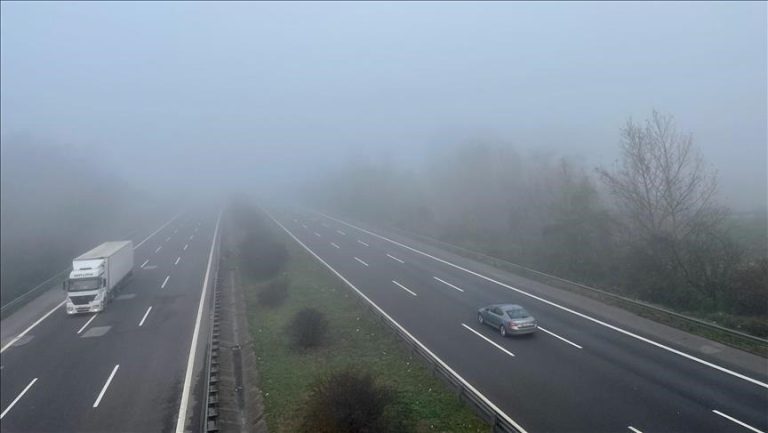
(506, 127)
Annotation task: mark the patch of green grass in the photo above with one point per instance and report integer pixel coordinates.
(355, 338)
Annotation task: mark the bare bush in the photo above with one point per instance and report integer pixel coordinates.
(308, 328)
(750, 289)
(350, 401)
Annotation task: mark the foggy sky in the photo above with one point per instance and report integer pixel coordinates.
(179, 95)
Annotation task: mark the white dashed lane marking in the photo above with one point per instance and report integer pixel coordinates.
(18, 397)
(741, 423)
(106, 385)
(145, 316)
(449, 284)
(404, 288)
(488, 340)
(395, 258)
(87, 323)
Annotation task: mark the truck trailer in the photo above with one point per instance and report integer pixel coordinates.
(96, 275)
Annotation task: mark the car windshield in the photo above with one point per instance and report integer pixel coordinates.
(518, 313)
(83, 285)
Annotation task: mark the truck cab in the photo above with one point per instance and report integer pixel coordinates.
(86, 287)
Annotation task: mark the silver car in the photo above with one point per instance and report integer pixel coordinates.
(509, 319)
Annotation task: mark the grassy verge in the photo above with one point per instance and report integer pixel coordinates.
(355, 339)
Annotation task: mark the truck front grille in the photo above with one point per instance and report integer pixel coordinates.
(82, 300)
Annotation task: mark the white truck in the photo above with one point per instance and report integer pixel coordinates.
(96, 275)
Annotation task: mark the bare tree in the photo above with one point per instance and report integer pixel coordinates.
(663, 184)
(667, 194)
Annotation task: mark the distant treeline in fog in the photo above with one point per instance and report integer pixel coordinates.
(650, 226)
(55, 205)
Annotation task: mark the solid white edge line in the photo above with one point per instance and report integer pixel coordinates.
(106, 385)
(489, 340)
(741, 423)
(362, 243)
(156, 231)
(144, 264)
(561, 338)
(24, 332)
(181, 421)
(634, 429)
(395, 258)
(403, 330)
(86, 323)
(582, 315)
(177, 260)
(335, 246)
(165, 281)
(448, 284)
(404, 288)
(366, 264)
(145, 316)
(18, 397)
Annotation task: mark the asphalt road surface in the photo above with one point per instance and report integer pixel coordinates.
(125, 369)
(579, 373)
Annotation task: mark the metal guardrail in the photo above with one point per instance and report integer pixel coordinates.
(47, 284)
(548, 278)
(498, 420)
(209, 420)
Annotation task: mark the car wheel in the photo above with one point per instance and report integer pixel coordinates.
(503, 331)
(480, 319)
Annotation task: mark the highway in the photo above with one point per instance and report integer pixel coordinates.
(582, 372)
(129, 368)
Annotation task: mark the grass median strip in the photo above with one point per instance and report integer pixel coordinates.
(354, 339)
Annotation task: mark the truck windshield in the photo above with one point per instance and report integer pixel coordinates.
(82, 285)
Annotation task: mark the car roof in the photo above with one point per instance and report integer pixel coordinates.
(507, 306)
